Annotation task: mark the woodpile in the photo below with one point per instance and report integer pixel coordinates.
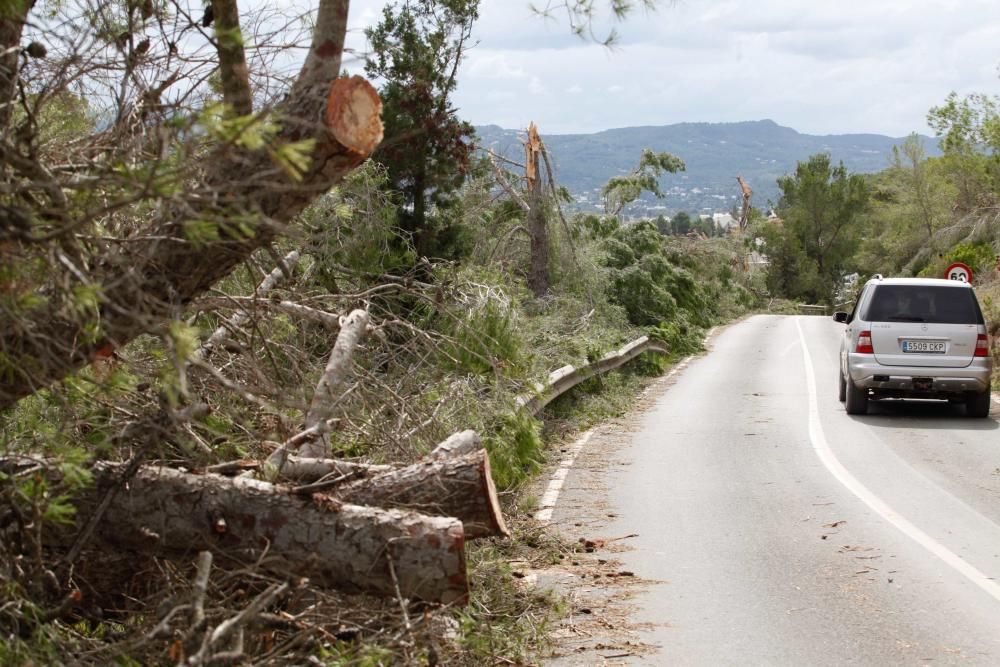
(387, 530)
(377, 529)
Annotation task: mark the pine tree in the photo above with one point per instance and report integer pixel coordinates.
(416, 50)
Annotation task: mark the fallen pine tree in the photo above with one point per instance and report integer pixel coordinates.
(399, 532)
(354, 526)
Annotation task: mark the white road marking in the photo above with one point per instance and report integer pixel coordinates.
(841, 474)
(551, 495)
(548, 502)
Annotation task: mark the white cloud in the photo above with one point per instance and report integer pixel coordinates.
(822, 68)
(494, 65)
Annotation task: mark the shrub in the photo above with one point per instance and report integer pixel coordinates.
(649, 282)
(516, 448)
(679, 335)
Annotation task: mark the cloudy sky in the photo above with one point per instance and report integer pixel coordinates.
(818, 67)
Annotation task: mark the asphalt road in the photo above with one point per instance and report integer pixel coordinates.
(786, 532)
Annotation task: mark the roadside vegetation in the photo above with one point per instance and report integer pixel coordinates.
(914, 218)
(475, 284)
(174, 273)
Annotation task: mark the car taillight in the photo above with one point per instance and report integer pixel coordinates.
(982, 346)
(865, 343)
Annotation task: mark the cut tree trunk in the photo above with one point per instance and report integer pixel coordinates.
(461, 487)
(457, 484)
(145, 283)
(338, 368)
(312, 470)
(174, 514)
(457, 444)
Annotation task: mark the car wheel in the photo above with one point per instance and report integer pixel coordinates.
(841, 388)
(978, 405)
(857, 399)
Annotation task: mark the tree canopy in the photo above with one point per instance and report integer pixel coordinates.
(416, 50)
(822, 209)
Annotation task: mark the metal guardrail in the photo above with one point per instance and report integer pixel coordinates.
(563, 379)
(810, 309)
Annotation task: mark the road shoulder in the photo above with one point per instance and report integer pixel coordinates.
(596, 626)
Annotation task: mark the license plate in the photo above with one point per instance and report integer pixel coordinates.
(932, 346)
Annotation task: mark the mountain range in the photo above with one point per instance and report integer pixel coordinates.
(713, 153)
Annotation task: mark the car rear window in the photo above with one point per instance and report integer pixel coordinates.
(924, 303)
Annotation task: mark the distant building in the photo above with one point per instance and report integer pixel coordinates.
(723, 220)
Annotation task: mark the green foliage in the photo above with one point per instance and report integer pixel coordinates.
(647, 282)
(416, 49)
(679, 335)
(640, 289)
(516, 448)
(355, 653)
(969, 128)
(910, 208)
(352, 230)
(969, 124)
(651, 364)
(45, 646)
(51, 503)
(598, 226)
(63, 117)
(980, 257)
(680, 224)
(12, 8)
(822, 208)
(620, 191)
(486, 340)
(791, 272)
(582, 16)
(663, 225)
(257, 132)
(922, 207)
(503, 622)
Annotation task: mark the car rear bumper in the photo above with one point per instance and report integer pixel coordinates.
(867, 373)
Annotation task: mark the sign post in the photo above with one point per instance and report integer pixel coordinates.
(959, 271)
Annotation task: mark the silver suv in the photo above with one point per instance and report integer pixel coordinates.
(915, 338)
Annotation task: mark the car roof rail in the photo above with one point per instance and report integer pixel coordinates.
(877, 276)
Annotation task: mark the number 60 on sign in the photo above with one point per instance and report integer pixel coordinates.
(959, 271)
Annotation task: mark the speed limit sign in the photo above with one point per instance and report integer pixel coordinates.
(959, 271)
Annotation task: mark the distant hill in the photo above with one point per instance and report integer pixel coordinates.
(714, 153)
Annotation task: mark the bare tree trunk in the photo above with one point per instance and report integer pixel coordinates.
(453, 480)
(12, 17)
(337, 369)
(461, 487)
(457, 444)
(312, 470)
(538, 274)
(232, 60)
(175, 514)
